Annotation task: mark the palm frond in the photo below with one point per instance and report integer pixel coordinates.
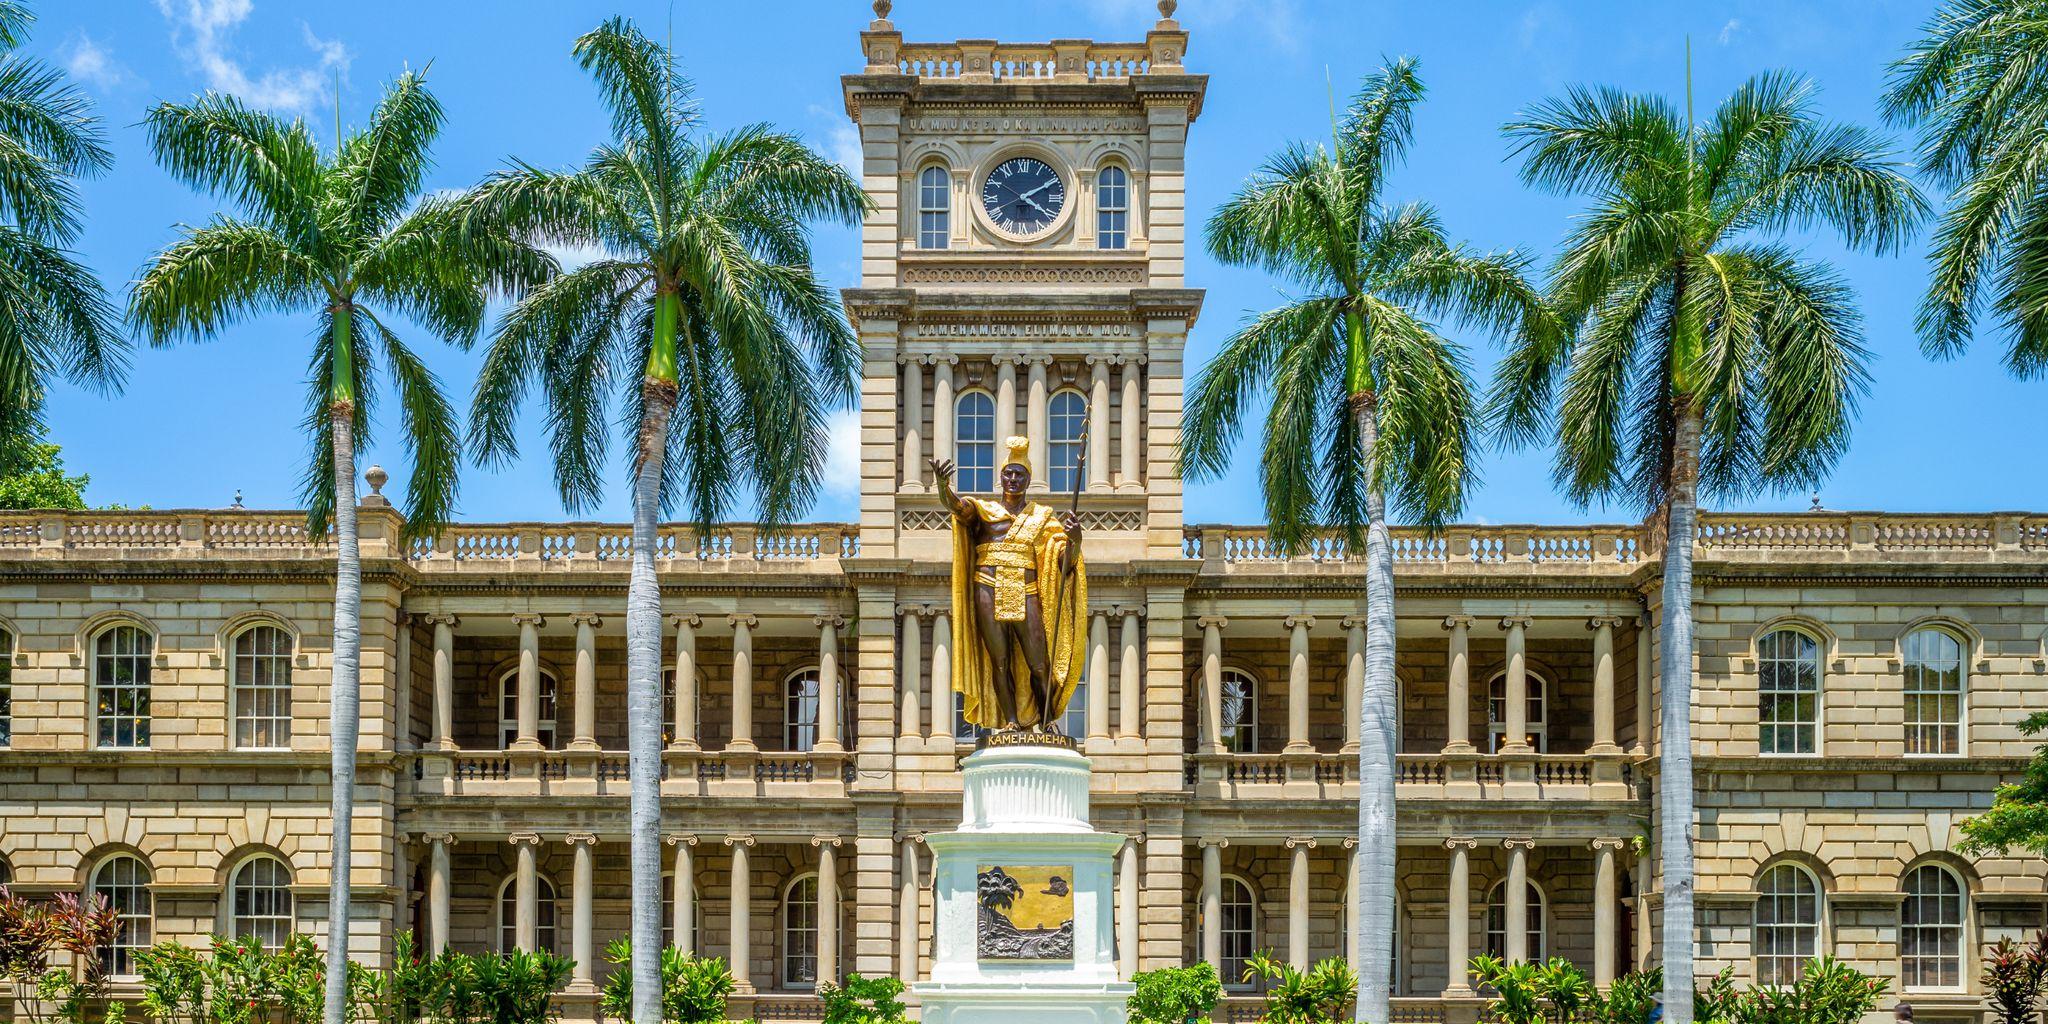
(383, 167)
(1596, 139)
(219, 275)
(59, 322)
(1426, 413)
(317, 484)
(1377, 129)
(432, 439)
(267, 166)
(1242, 371)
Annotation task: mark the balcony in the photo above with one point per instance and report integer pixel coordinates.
(744, 774)
(1449, 777)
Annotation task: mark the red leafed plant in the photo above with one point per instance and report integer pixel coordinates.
(2016, 977)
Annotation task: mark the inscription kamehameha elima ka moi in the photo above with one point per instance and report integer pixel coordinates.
(1025, 912)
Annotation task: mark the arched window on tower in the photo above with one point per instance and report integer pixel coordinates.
(1112, 208)
(263, 688)
(934, 207)
(121, 660)
(974, 443)
(1067, 421)
(1788, 684)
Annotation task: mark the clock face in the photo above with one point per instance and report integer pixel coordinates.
(1023, 195)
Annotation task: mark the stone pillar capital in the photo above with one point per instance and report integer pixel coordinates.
(1514, 622)
(1352, 622)
(529, 619)
(1350, 842)
(1608, 843)
(582, 838)
(739, 840)
(739, 619)
(680, 839)
(591, 619)
(1519, 843)
(910, 837)
(524, 839)
(1219, 842)
(1300, 622)
(1301, 841)
(442, 619)
(676, 619)
(1598, 621)
(1457, 622)
(1457, 843)
(832, 622)
(1135, 611)
(443, 838)
(824, 841)
(1217, 621)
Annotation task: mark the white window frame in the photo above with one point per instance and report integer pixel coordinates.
(1950, 930)
(548, 727)
(1244, 941)
(1241, 731)
(934, 207)
(1537, 709)
(137, 927)
(1778, 898)
(800, 733)
(1917, 665)
(1063, 440)
(275, 724)
(984, 466)
(1777, 673)
(799, 938)
(1497, 922)
(271, 923)
(1113, 208)
(110, 726)
(545, 914)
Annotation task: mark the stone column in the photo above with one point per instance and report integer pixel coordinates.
(1458, 687)
(942, 674)
(1127, 908)
(1517, 688)
(1354, 680)
(437, 892)
(401, 684)
(1516, 899)
(1212, 902)
(685, 731)
(907, 922)
(1297, 900)
(1458, 923)
(910, 674)
(581, 949)
(913, 424)
(1603, 686)
(1297, 683)
(1130, 463)
(444, 681)
(1035, 409)
(942, 406)
(1098, 423)
(742, 913)
(526, 892)
(828, 683)
(1604, 896)
(1098, 675)
(586, 682)
(828, 909)
(1130, 678)
(1006, 402)
(1644, 709)
(1350, 915)
(529, 683)
(742, 682)
(682, 911)
(1212, 682)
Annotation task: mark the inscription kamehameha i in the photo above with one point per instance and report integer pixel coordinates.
(1024, 913)
(997, 329)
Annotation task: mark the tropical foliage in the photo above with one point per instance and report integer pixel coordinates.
(238, 981)
(1174, 995)
(863, 1001)
(1322, 994)
(55, 319)
(2015, 980)
(32, 474)
(1699, 352)
(34, 934)
(2018, 816)
(694, 990)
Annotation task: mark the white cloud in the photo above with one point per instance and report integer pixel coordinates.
(842, 461)
(576, 257)
(90, 62)
(202, 32)
(842, 139)
(1279, 21)
(1729, 31)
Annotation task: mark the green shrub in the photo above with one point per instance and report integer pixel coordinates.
(1828, 992)
(863, 1001)
(1320, 995)
(693, 989)
(2016, 978)
(1175, 995)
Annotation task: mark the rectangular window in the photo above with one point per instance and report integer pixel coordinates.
(263, 688)
(934, 200)
(121, 667)
(1788, 693)
(1112, 209)
(1934, 692)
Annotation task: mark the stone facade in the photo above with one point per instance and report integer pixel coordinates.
(493, 724)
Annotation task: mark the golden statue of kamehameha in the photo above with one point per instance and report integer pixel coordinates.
(1020, 600)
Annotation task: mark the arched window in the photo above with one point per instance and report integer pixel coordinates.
(1497, 923)
(800, 932)
(122, 880)
(508, 710)
(262, 674)
(1240, 712)
(1931, 929)
(1535, 708)
(800, 710)
(1788, 693)
(1787, 923)
(1067, 420)
(1936, 681)
(1240, 930)
(120, 678)
(1112, 208)
(934, 204)
(974, 443)
(543, 915)
(260, 901)
(6, 688)
(668, 913)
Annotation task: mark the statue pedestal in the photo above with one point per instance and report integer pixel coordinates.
(1024, 845)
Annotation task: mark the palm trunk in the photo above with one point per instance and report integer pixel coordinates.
(1373, 917)
(1674, 678)
(643, 704)
(344, 716)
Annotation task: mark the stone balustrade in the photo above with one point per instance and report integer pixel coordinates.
(1472, 776)
(685, 773)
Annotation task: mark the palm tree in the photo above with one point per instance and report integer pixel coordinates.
(342, 236)
(1701, 353)
(1368, 398)
(55, 319)
(1973, 85)
(726, 350)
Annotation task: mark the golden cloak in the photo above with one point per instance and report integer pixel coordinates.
(1063, 604)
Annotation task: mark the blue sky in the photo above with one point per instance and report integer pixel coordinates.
(198, 423)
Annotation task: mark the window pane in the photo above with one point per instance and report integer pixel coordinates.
(1934, 686)
(1931, 930)
(1787, 924)
(508, 710)
(1497, 923)
(262, 902)
(263, 687)
(800, 712)
(1112, 204)
(123, 882)
(1788, 693)
(934, 197)
(121, 676)
(1240, 712)
(1068, 419)
(974, 443)
(543, 917)
(1239, 934)
(6, 688)
(800, 933)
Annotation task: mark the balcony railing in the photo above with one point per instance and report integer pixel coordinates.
(1416, 776)
(518, 773)
(591, 545)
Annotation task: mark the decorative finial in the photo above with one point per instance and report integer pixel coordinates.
(882, 8)
(1167, 7)
(1816, 503)
(238, 499)
(376, 476)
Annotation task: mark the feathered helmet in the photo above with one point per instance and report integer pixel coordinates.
(1020, 454)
